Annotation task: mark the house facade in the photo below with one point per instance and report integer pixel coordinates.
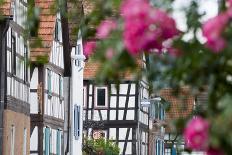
(116, 114)
(46, 90)
(15, 107)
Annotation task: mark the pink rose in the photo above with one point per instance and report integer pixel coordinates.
(105, 28)
(145, 27)
(213, 151)
(230, 2)
(109, 53)
(196, 133)
(213, 30)
(135, 9)
(89, 48)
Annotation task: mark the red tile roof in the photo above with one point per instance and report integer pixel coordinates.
(91, 69)
(181, 106)
(46, 28)
(6, 8)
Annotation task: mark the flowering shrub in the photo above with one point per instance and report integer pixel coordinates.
(89, 48)
(145, 27)
(105, 28)
(196, 134)
(171, 59)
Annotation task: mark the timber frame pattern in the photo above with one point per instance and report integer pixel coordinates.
(126, 127)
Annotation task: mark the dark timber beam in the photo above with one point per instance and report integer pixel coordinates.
(4, 25)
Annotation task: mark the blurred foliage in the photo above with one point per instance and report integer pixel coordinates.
(197, 67)
(100, 147)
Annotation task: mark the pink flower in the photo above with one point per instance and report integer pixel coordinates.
(196, 133)
(109, 53)
(213, 30)
(230, 2)
(174, 52)
(213, 151)
(89, 47)
(135, 9)
(105, 28)
(145, 27)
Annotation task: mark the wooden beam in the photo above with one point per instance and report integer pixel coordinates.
(126, 102)
(125, 144)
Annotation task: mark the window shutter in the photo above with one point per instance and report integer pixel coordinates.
(76, 121)
(47, 141)
(60, 86)
(49, 82)
(156, 111)
(58, 145)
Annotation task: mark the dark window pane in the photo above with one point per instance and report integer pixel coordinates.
(13, 52)
(101, 97)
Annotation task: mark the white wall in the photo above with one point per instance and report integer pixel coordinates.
(76, 98)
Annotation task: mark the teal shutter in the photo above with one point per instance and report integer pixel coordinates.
(47, 141)
(58, 145)
(158, 147)
(173, 151)
(60, 86)
(49, 81)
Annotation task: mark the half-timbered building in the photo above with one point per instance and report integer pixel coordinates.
(15, 107)
(46, 90)
(116, 114)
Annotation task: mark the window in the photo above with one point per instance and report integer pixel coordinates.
(78, 52)
(13, 9)
(58, 30)
(101, 97)
(47, 141)
(25, 141)
(49, 82)
(84, 97)
(168, 151)
(159, 147)
(60, 86)
(25, 63)
(157, 111)
(12, 140)
(76, 122)
(97, 134)
(13, 54)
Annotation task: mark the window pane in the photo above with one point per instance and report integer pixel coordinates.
(101, 97)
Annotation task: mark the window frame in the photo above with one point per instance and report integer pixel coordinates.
(25, 141)
(58, 30)
(77, 121)
(49, 82)
(60, 87)
(95, 97)
(13, 54)
(78, 52)
(12, 140)
(84, 97)
(25, 63)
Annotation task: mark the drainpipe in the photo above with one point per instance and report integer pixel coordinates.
(4, 24)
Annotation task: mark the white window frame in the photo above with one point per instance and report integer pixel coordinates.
(96, 132)
(12, 143)
(84, 97)
(106, 97)
(25, 141)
